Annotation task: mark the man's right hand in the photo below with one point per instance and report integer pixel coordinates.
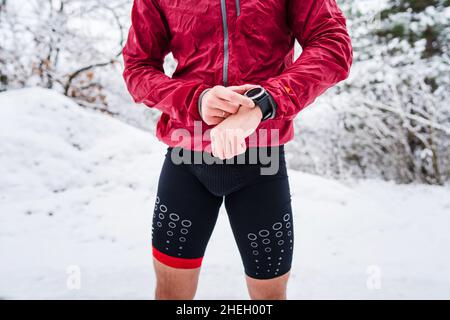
(219, 102)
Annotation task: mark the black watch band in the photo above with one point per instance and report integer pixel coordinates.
(264, 101)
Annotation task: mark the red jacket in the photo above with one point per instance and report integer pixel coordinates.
(233, 42)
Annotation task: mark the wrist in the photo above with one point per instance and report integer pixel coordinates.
(256, 112)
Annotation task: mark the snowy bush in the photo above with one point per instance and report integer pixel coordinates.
(391, 119)
(61, 45)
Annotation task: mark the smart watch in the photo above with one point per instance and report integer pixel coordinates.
(264, 101)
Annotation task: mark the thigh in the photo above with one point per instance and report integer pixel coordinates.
(184, 217)
(261, 219)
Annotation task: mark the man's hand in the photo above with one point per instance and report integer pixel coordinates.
(220, 102)
(228, 138)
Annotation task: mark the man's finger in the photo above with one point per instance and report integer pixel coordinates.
(235, 98)
(219, 113)
(235, 146)
(212, 147)
(241, 147)
(213, 120)
(243, 88)
(228, 146)
(224, 105)
(218, 145)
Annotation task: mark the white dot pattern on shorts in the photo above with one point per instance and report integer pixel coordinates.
(252, 236)
(186, 223)
(271, 243)
(178, 228)
(263, 233)
(277, 226)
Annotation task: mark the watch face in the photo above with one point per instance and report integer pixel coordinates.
(255, 93)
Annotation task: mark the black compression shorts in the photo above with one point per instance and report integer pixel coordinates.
(258, 205)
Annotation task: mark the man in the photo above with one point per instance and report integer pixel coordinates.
(235, 78)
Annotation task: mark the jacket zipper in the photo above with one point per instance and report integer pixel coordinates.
(226, 40)
(226, 53)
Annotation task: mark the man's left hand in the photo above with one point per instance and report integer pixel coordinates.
(228, 137)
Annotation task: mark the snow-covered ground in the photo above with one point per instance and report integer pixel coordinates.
(77, 192)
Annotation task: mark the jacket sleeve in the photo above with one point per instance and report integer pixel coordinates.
(320, 28)
(147, 45)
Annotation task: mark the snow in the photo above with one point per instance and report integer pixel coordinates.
(77, 190)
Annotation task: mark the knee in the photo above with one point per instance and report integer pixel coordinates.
(260, 294)
(182, 291)
(272, 289)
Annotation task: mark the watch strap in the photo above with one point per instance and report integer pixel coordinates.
(267, 106)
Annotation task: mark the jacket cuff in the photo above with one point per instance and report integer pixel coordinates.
(192, 106)
(288, 104)
(278, 97)
(199, 104)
